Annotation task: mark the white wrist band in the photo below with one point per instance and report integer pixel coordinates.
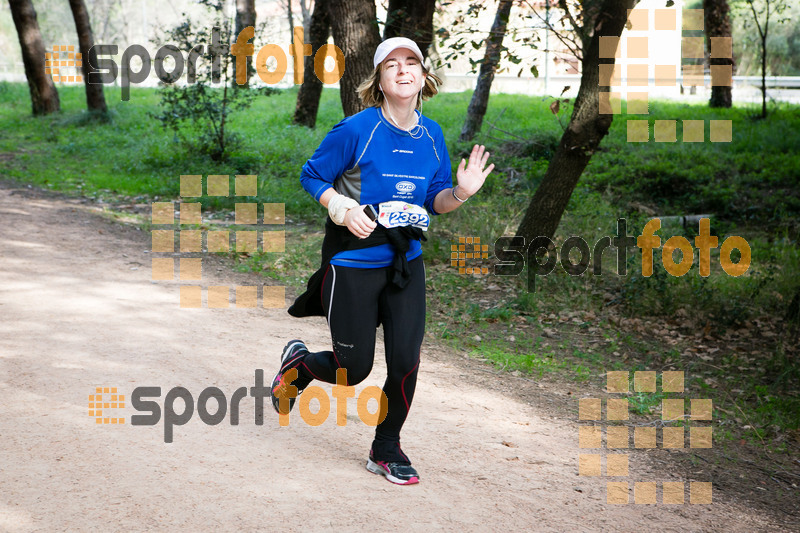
(456, 197)
(338, 207)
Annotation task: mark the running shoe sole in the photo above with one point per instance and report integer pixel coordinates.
(286, 359)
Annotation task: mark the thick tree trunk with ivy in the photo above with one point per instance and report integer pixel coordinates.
(44, 97)
(480, 98)
(586, 127)
(95, 100)
(305, 112)
(355, 31)
(245, 16)
(412, 19)
(718, 24)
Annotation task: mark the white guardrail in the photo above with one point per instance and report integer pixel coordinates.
(746, 88)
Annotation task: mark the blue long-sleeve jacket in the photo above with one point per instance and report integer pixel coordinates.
(370, 160)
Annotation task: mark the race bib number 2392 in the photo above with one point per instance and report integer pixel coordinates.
(396, 214)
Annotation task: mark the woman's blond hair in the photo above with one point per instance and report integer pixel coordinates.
(371, 95)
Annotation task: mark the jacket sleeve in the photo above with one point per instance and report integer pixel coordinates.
(333, 156)
(443, 178)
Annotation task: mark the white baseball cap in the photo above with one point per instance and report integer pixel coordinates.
(390, 45)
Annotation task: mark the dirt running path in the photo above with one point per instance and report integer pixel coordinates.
(79, 310)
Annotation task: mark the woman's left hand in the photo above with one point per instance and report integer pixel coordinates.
(470, 176)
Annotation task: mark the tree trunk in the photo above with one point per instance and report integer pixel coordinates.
(44, 97)
(306, 12)
(585, 130)
(355, 32)
(764, 75)
(718, 24)
(305, 112)
(480, 98)
(245, 16)
(95, 101)
(291, 16)
(763, 32)
(412, 19)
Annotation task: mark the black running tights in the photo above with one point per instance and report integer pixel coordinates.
(355, 300)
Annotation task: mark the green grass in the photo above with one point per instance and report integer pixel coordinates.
(747, 181)
(750, 186)
(750, 180)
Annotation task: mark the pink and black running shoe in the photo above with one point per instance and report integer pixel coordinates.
(400, 473)
(292, 354)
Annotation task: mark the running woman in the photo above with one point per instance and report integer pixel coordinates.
(371, 275)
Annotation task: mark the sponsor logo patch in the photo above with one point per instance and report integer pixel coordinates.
(405, 186)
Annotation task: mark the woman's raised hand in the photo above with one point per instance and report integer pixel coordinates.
(471, 175)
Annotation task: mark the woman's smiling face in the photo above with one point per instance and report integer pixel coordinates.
(401, 76)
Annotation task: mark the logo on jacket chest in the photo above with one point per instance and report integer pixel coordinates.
(405, 187)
